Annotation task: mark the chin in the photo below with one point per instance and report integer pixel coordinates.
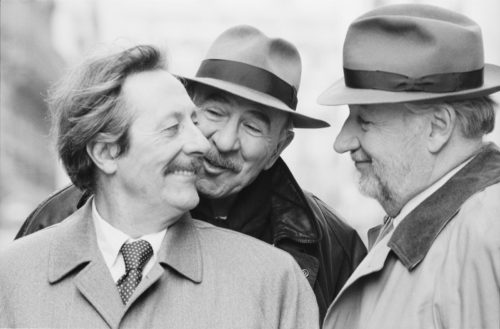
(183, 200)
(369, 186)
(208, 189)
(190, 202)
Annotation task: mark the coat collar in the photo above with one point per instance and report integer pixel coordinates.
(75, 245)
(414, 236)
(181, 249)
(74, 248)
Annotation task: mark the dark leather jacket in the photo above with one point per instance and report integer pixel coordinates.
(273, 209)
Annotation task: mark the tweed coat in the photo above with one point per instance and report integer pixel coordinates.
(205, 277)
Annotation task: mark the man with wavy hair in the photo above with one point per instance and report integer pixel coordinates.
(132, 256)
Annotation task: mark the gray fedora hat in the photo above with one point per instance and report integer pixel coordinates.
(245, 62)
(410, 53)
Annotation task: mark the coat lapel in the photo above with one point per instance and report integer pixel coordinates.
(99, 289)
(181, 249)
(372, 263)
(75, 249)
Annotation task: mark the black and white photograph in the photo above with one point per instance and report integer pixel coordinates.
(281, 164)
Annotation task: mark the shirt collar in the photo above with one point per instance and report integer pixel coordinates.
(75, 243)
(110, 239)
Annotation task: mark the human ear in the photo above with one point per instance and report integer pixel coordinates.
(442, 124)
(280, 147)
(104, 155)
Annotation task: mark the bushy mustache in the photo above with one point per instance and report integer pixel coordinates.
(215, 158)
(178, 165)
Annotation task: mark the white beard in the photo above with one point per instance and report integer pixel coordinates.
(387, 182)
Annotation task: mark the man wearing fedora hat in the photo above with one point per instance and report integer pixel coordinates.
(417, 89)
(246, 91)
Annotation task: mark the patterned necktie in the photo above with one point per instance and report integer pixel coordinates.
(135, 255)
(386, 228)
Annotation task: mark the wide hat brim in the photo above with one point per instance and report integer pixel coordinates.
(299, 120)
(339, 94)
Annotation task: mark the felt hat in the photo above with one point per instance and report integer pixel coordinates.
(411, 53)
(244, 62)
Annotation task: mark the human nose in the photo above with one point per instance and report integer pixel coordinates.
(197, 144)
(346, 140)
(226, 138)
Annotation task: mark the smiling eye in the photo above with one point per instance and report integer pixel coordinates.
(213, 113)
(253, 129)
(362, 121)
(171, 130)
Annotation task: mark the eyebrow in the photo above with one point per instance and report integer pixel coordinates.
(217, 97)
(362, 108)
(363, 111)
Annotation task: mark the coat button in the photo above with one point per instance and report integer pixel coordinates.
(306, 272)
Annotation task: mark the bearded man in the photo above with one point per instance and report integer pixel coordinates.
(417, 89)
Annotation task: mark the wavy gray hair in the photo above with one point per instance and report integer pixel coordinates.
(475, 116)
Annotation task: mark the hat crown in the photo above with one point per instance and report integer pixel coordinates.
(245, 63)
(246, 44)
(414, 40)
(412, 53)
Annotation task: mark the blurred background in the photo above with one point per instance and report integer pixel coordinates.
(40, 39)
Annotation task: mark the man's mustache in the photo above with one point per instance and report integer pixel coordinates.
(216, 159)
(193, 165)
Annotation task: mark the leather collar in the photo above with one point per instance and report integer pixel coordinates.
(292, 217)
(274, 201)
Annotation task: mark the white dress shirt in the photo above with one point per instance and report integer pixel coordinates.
(110, 240)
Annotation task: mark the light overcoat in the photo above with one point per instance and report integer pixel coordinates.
(440, 268)
(205, 277)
